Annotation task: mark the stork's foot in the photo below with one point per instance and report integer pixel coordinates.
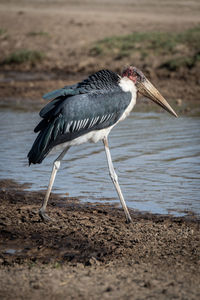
(128, 219)
(44, 216)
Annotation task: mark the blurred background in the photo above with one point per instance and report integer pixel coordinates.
(67, 40)
(47, 44)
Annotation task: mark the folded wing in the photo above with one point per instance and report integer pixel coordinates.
(76, 112)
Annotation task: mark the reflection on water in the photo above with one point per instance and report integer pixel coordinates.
(155, 155)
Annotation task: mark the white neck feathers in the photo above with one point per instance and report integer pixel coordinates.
(127, 85)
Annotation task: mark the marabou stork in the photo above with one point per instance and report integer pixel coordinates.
(87, 111)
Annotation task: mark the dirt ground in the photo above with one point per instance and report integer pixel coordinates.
(89, 252)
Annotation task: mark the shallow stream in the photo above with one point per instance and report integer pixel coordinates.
(156, 157)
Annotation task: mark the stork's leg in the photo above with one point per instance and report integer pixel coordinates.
(114, 178)
(56, 166)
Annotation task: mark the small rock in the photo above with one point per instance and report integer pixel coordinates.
(80, 265)
(179, 102)
(93, 261)
(108, 289)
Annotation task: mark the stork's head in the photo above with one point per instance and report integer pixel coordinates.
(146, 88)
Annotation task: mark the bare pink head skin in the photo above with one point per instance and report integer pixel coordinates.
(146, 88)
(133, 74)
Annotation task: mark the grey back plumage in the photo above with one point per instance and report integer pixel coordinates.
(93, 104)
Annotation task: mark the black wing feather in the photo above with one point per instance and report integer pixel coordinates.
(98, 102)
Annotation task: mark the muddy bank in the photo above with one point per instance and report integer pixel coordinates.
(27, 94)
(89, 251)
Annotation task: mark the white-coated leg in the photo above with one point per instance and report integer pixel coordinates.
(56, 166)
(114, 178)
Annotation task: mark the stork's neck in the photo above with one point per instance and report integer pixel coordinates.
(128, 85)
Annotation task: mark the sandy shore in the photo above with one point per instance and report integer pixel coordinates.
(89, 252)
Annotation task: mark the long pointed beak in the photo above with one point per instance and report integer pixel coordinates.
(146, 88)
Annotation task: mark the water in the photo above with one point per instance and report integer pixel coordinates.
(156, 157)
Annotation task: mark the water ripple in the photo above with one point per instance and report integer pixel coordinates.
(157, 158)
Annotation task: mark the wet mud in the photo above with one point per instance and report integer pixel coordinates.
(88, 251)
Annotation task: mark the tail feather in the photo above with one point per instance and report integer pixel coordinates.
(38, 151)
(45, 140)
(52, 124)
